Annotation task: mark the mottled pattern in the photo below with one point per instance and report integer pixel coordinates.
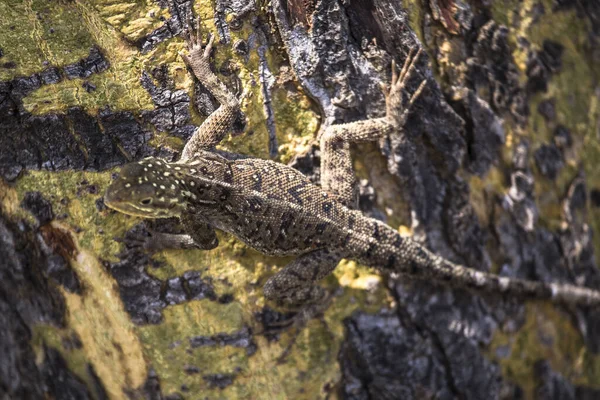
(278, 211)
(216, 126)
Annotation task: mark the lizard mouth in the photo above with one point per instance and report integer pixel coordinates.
(126, 208)
(114, 201)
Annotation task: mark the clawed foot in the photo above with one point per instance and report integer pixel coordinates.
(393, 95)
(139, 237)
(297, 322)
(193, 39)
(143, 238)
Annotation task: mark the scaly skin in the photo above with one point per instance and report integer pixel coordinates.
(278, 211)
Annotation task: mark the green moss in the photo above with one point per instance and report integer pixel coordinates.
(572, 89)
(233, 269)
(71, 198)
(38, 33)
(167, 345)
(134, 19)
(547, 335)
(47, 336)
(118, 87)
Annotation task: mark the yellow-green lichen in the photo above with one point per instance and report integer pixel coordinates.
(547, 335)
(233, 269)
(572, 90)
(134, 19)
(118, 87)
(96, 316)
(76, 358)
(35, 34)
(296, 123)
(74, 196)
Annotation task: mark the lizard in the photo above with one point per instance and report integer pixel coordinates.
(276, 210)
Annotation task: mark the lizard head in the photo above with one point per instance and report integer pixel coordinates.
(151, 188)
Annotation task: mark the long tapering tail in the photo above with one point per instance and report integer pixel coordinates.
(405, 256)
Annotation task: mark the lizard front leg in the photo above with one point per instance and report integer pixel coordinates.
(337, 174)
(200, 236)
(216, 125)
(203, 235)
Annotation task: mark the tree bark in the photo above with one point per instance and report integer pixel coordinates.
(495, 168)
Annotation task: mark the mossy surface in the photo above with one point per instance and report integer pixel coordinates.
(36, 33)
(549, 334)
(121, 353)
(97, 314)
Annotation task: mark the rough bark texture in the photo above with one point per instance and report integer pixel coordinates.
(497, 168)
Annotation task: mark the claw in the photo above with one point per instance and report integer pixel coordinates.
(407, 63)
(209, 45)
(413, 98)
(185, 58)
(384, 89)
(198, 32)
(411, 61)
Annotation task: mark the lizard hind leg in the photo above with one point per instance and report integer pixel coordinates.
(295, 288)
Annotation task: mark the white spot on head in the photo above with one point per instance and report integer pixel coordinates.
(177, 168)
(149, 165)
(154, 184)
(193, 171)
(192, 183)
(161, 199)
(168, 166)
(162, 187)
(167, 174)
(172, 187)
(145, 169)
(128, 185)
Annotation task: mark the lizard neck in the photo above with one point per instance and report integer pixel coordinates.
(207, 181)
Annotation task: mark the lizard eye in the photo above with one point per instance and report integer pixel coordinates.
(146, 201)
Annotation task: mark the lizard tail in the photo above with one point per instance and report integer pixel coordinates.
(407, 257)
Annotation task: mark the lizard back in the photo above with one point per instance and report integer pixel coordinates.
(271, 207)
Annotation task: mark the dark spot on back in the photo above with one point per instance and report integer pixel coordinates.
(321, 228)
